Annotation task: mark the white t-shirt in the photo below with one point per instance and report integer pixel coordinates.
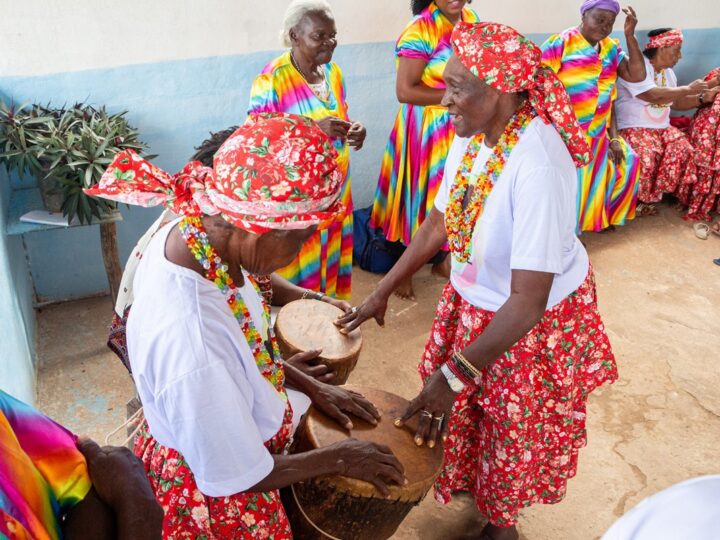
(201, 390)
(633, 112)
(528, 223)
(689, 510)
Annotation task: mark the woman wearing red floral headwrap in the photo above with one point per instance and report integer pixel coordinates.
(517, 343)
(643, 118)
(204, 358)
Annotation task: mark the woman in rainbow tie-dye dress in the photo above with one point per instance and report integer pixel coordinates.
(306, 82)
(588, 62)
(414, 160)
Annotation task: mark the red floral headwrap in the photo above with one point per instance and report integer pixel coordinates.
(277, 171)
(668, 39)
(509, 62)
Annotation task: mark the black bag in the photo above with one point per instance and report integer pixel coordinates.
(371, 251)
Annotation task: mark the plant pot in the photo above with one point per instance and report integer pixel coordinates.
(51, 194)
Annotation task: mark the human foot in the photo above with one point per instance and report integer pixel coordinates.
(405, 290)
(493, 532)
(715, 229)
(442, 269)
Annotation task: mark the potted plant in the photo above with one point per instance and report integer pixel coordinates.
(67, 149)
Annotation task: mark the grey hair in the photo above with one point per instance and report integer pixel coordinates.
(295, 13)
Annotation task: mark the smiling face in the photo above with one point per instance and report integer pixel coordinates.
(471, 103)
(314, 38)
(597, 24)
(452, 9)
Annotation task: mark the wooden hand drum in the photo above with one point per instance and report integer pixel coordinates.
(344, 508)
(304, 325)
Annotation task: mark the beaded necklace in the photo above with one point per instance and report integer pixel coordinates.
(661, 81)
(460, 222)
(193, 232)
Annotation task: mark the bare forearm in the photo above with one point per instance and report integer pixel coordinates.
(686, 103)
(284, 291)
(510, 324)
(636, 64)
(294, 468)
(613, 123)
(428, 240)
(663, 96)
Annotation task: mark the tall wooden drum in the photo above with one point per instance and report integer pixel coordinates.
(305, 325)
(343, 508)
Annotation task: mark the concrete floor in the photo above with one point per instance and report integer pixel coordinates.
(659, 424)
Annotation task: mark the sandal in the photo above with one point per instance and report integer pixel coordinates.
(644, 210)
(702, 231)
(715, 229)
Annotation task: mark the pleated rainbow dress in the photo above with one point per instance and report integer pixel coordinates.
(42, 474)
(607, 195)
(414, 159)
(325, 261)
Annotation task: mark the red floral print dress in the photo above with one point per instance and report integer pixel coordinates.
(514, 441)
(191, 515)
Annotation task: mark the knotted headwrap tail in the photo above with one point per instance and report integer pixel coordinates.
(668, 39)
(277, 171)
(609, 5)
(503, 58)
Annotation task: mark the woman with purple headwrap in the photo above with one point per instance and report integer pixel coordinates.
(588, 62)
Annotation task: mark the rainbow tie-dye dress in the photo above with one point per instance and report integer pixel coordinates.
(607, 195)
(414, 159)
(42, 473)
(325, 261)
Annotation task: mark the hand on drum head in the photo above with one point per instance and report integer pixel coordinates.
(320, 372)
(433, 406)
(374, 463)
(374, 306)
(336, 401)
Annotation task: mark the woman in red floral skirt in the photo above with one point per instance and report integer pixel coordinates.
(517, 343)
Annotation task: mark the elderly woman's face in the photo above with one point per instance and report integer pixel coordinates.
(315, 38)
(668, 57)
(597, 24)
(471, 103)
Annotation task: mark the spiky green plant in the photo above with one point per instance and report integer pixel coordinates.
(72, 145)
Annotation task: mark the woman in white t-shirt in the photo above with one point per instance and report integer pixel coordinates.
(643, 118)
(216, 394)
(517, 343)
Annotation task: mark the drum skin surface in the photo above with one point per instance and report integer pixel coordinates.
(305, 325)
(348, 508)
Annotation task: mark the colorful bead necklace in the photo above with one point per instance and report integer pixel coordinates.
(460, 222)
(195, 236)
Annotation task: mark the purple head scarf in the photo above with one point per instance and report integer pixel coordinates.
(610, 5)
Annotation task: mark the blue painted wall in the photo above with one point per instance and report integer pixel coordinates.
(175, 104)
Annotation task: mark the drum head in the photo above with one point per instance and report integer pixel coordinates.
(308, 324)
(422, 464)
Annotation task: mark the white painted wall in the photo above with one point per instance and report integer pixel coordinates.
(55, 36)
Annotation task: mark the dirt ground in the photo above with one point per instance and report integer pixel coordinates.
(658, 425)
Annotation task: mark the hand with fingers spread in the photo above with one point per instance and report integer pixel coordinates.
(631, 21)
(338, 402)
(305, 362)
(432, 406)
(334, 127)
(374, 306)
(374, 463)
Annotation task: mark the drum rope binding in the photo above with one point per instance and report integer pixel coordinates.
(307, 518)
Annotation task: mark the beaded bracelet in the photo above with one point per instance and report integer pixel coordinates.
(459, 374)
(467, 365)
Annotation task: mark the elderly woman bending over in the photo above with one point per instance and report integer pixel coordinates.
(305, 81)
(517, 343)
(204, 359)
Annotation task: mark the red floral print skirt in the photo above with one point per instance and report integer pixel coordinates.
(514, 441)
(191, 515)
